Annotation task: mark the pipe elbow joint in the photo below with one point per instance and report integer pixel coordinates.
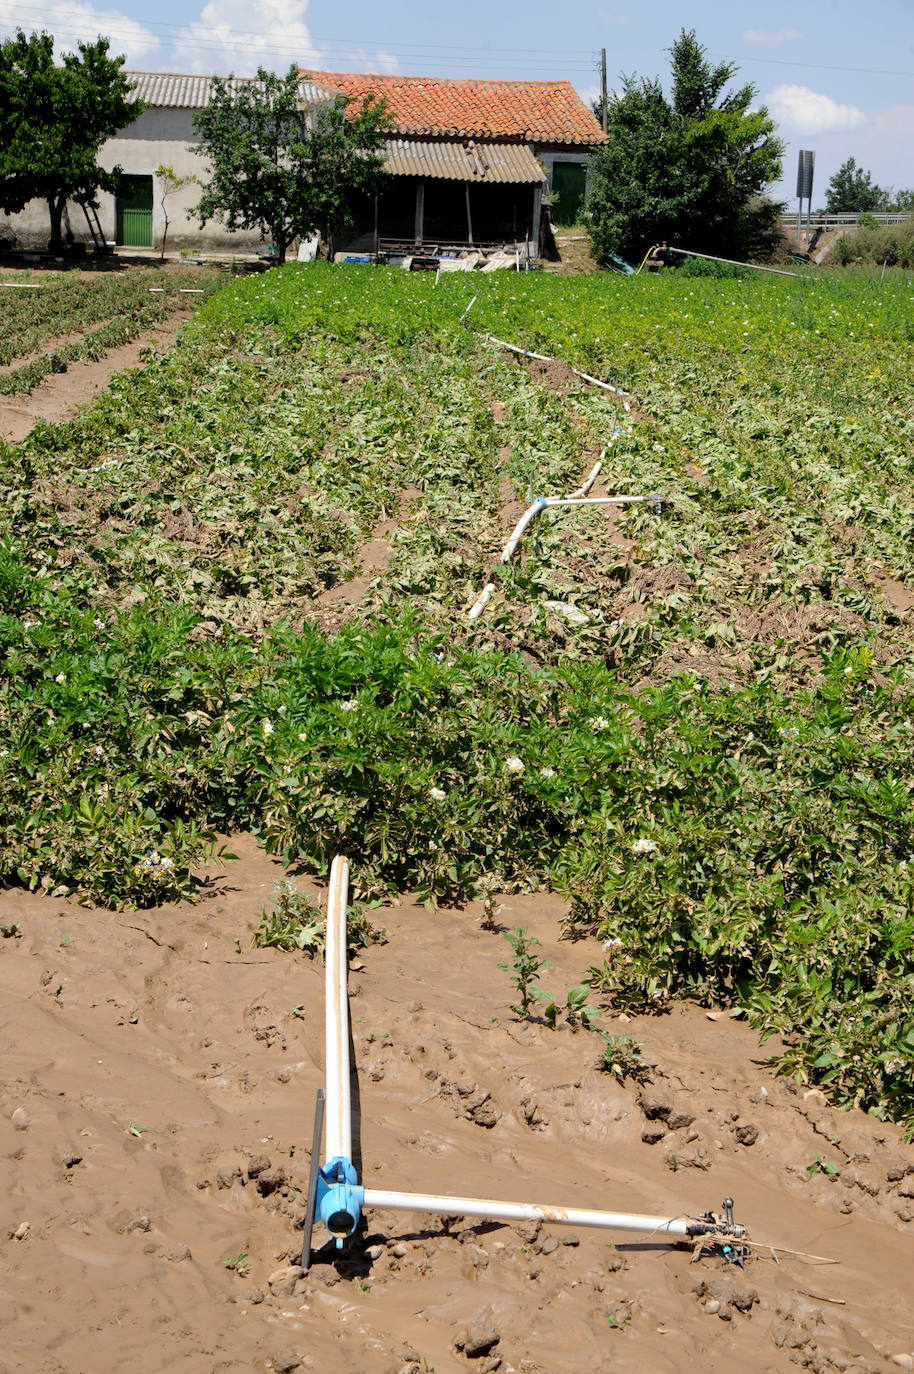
(339, 1198)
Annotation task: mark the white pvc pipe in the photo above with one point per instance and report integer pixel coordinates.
(589, 480)
(524, 352)
(544, 358)
(482, 601)
(338, 1109)
(519, 528)
(593, 500)
(595, 381)
(525, 1211)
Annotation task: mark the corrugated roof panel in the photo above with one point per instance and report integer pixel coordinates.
(453, 160)
(171, 90)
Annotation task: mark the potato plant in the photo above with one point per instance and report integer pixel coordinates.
(711, 758)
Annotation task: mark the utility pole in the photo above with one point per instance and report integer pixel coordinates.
(603, 85)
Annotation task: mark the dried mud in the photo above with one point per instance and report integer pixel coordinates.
(156, 1113)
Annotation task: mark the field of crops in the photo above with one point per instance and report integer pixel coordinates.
(234, 594)
(50, 321)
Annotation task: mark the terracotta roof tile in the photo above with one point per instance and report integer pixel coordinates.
(538, 111)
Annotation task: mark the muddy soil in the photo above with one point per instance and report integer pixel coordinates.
(61, 395)
(155, 1123)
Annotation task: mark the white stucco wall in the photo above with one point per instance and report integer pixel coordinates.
(160, 137)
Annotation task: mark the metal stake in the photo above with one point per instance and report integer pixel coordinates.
(312, 1179)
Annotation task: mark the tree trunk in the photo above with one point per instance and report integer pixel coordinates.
(55, 209)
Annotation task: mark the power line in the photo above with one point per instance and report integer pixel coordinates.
(345, 44)
(818, 66)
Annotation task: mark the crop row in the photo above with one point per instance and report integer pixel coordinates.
(55, 324)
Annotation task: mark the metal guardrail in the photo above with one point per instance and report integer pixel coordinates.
(824, 221)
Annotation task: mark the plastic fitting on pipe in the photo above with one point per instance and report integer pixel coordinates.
(339, 1198)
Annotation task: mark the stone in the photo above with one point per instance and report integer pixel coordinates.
(256, 1297)
(20, 1119)
(268, 1180)
(712, 1307)
(286, 1361)
(374, 1252)
(257, 1164)
(401, 1249)
(282, 1281)
(747, 1134)
(547, 1245)
(653, 1133)
(677, 1121)
(903, 1361)
(485, 1115)
(480, 1337)
(655, 1108)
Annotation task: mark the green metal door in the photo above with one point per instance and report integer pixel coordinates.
(133, 212)
(568, 183)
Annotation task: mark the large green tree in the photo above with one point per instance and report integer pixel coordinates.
(281, 167)
(690, 168)
(54, 120)
(852, 191)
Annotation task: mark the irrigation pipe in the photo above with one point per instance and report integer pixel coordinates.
(340, 1198)
(544, 358)
(336, 1016)
(732, 262)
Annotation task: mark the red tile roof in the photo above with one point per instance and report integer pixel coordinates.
(538, 111)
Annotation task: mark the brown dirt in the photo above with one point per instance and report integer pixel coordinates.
(574, 256)
(373, 558)
(63, 394)
(899, 597)
(156, 1110)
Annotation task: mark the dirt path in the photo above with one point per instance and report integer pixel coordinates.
(61, 395)
(155, 1115)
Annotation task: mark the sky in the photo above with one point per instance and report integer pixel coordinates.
(838, 77)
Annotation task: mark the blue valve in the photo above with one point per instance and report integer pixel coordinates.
(339, 1198)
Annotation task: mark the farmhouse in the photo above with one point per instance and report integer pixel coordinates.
(162, 136)
(469, 160)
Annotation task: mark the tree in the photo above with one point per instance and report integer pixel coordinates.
(170, 181)
(692, 168)
(53, 122)
(283, 169)
(852, 191)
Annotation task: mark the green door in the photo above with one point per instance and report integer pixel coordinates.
(133, 212)
(568, 183)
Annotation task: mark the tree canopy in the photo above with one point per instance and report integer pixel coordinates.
(279, 167)
(691, 168)
(54, 120)
(852, 191)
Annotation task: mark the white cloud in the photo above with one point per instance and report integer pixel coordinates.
(811, 112)
(83, 23)
(238, 36)
(613, 19)
(765, 39)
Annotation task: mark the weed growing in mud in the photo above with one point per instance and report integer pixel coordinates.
(238, 1264)
(820, 1165)
(575, 1011)
(297, 922)
(525, 968)
(623, 1056)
